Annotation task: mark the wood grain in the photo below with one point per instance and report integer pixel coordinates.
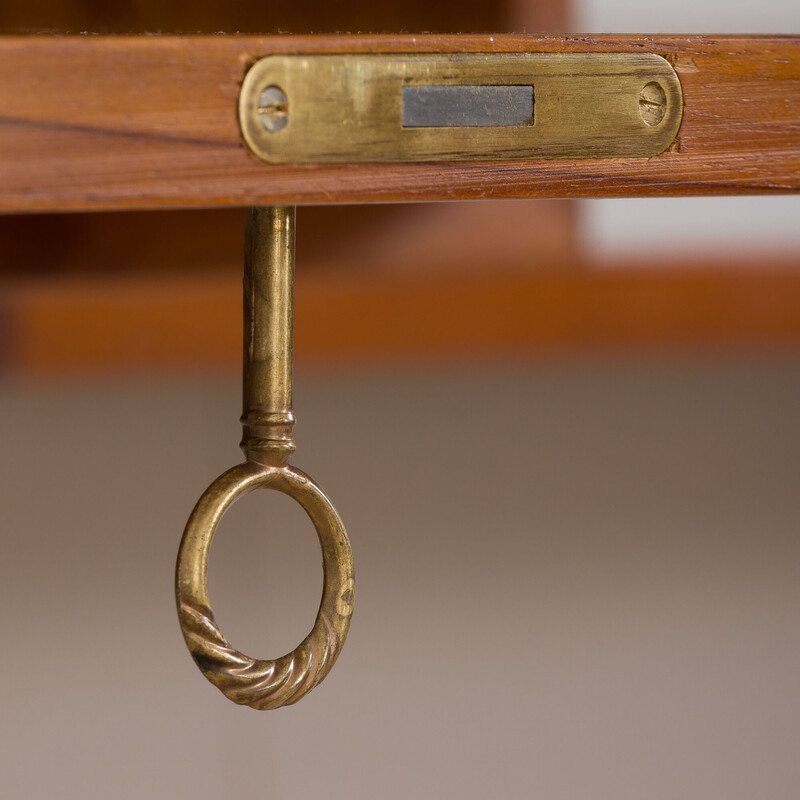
(192, 323)
(143, 122)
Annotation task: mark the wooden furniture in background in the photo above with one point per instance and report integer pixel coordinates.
(91, 325)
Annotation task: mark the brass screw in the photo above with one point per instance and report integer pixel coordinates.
(652, 103)
(273, 109)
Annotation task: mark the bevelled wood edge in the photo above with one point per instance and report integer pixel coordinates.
(142, 122)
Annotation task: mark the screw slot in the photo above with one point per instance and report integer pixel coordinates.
(273, 109)
(652, 103)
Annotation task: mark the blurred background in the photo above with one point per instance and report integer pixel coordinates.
(596, 597)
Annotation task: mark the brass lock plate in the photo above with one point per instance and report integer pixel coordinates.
(354, 108)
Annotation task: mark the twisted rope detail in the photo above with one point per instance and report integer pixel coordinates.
(260, 684)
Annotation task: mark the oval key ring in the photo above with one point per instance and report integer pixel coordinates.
(267, 421)
(254, 682)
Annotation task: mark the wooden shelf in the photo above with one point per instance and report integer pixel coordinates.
(145, 122)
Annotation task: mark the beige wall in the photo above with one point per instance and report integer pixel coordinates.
(574, 581)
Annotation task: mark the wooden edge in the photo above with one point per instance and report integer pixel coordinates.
(143, 122)
(193, 324)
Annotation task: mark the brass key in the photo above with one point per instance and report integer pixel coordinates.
(267, 442)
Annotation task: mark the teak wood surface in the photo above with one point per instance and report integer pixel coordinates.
(143, 122)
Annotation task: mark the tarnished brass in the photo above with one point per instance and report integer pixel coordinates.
(314, 109)
(267, 422)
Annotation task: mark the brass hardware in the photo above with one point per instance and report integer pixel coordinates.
(267, 423)
(652, 103)
(459, 107)
(273, 109)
